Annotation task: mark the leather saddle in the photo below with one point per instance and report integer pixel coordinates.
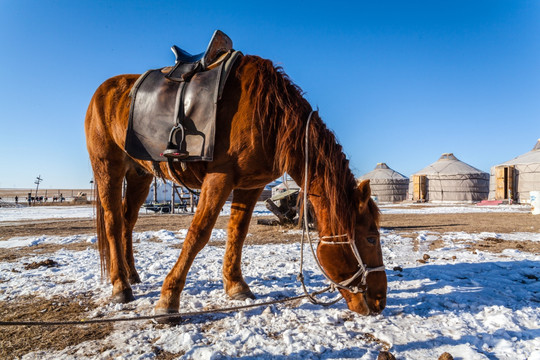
(173, 109)
(187, 65)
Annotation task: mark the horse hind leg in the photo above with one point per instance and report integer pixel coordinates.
(241, 211)
(109, 175)
(137, 188)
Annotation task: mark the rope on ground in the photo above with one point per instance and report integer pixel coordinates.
(157, 316)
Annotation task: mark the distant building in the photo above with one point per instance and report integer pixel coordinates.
(449, 180)
(288, 184)
(516, 178)
(386, 185)
(161, 192)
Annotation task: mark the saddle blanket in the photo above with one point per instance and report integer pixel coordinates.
(158, 100)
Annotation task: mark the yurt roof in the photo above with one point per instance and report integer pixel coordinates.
(448, 164)
(288, 184)
(383, 172)
(530, 157)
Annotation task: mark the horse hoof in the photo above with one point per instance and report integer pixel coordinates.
(123, 297)
(170, 320)
(243, 296)
(134, 279)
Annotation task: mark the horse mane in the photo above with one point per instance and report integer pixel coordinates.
(280, 113)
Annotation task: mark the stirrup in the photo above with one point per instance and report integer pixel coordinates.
(174, 151)
(175, 154)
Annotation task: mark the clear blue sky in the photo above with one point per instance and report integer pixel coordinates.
(398, 81)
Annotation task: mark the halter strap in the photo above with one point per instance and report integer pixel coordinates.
(322, 241)
(363, 270)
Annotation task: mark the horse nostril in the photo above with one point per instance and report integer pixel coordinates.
(378, 306)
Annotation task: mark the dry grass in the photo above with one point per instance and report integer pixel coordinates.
(470, 223)
(496, 245)
(403, 224)
(16, 341)
(14, 254)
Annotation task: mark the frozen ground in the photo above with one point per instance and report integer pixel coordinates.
(473, 305)
(87, 211)
(45, 212)
(427, 208)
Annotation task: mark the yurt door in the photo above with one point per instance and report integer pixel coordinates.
(419, 187)
(504, 186)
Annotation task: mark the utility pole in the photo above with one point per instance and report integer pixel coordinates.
(91, 190)
(38, 180)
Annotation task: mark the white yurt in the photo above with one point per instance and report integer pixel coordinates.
(516, 178)
(161, 192)
(449, 180)
(387, 185)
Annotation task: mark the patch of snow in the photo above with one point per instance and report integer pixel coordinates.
(86, 211)
(259, 210)
(428, 208)
(23, 241)
(45, 212)
(474, 306)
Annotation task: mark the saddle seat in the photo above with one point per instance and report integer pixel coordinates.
(173, 109)
(185, 67)
(219, 45)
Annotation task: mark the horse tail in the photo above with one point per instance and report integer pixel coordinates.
(103, 243)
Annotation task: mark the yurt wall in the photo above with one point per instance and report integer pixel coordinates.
(387, 185)
(516, 178)
(449, 180)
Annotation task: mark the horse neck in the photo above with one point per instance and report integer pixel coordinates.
(280, 113)
(330, 182)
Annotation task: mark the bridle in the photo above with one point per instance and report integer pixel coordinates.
(363, 269)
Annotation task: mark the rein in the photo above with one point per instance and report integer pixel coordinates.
(157, 316)
(363, 270)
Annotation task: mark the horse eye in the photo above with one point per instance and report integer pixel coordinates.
(372, 240)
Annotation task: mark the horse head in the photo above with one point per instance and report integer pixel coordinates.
(354, 262)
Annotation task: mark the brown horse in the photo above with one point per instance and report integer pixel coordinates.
(260, 127)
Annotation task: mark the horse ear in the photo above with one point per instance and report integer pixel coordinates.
(364, 190)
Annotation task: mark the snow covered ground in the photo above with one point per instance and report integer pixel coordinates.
(63, 212)
(473, 305)
(87, 211)
(45, 212)
(428, 208)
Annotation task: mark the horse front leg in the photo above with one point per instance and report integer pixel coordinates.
(215, 190)
(241, 211)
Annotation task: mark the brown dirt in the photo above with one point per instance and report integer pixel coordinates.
(471, 223)
(259, 234)
(13, 254)
(408, 224)
(403, 224)
(498, 245)
(16, 341)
